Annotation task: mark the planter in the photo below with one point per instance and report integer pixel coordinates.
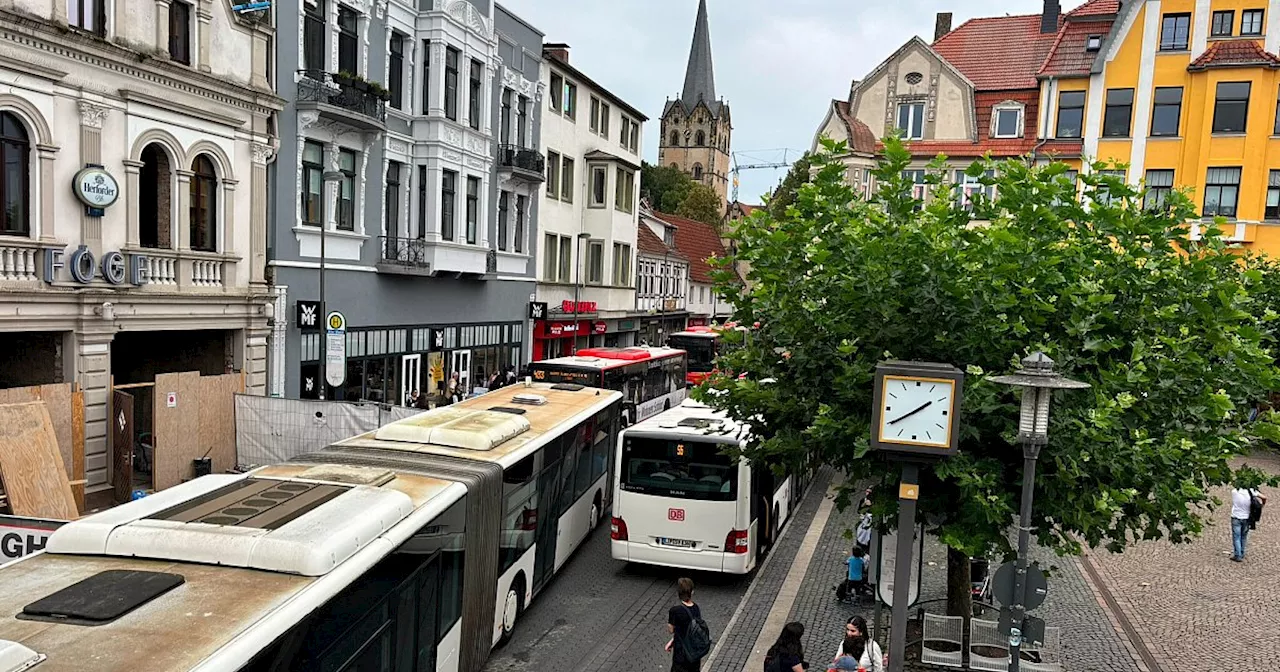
(384, 96)
(342, 80)
(361, 85)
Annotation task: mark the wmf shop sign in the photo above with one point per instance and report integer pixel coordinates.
(98, 190)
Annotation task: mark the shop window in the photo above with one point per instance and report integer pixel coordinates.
(204, 205)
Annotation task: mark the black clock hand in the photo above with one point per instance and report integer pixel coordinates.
(923, 406)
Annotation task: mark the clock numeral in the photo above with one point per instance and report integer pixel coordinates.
(939, 425)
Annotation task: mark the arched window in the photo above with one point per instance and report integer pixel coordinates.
(155, 199)
(15, 186)
(675, 138)
(700, 138)
(204, 205)
(675, 166)
(697, 171)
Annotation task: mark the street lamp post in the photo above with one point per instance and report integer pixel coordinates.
(577, 290)
(330, 177)
(1038, 380)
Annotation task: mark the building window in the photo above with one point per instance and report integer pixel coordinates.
(557, 92)
(570, 100)
(595, 115)
(155, 198)
(504, 120)
(1231, 108)
(1221, 192)
(1007, 122)
(451, 84)
(522, 115)
(566, 181)
(522, 205)
(473, 108)
(504, 208)
(675, 138)
(1159, 186)
(1115, 123)
(911, 120)
(1070, 114)
(180, 32)
(392, 197)
(1251, 22)
(1103, 193)
(630, 135)
(15, 188)
(1166, 113)
(1093, 43)
(204, 205)
(1223, 22)
(971, 186)
(621, 265)
(312, 183)
(313, 30)
(448, 203)
(1272, 211)
(348, 39)
(595, 262)
(599, 184)
(426, 77)
(1175, 32)
(553, 174)
(347, 190)
(422, 202)
(700, 139)
(604, 119)
(624, 196)
(87, 15)
(550, 245)
(566, 258)
(473, 209)
(395, 70)
(697, 171)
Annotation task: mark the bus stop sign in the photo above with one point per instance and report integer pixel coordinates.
(1037, 585)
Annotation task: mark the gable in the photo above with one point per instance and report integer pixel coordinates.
(915, 73)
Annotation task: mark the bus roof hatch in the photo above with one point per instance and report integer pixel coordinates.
(456, 428)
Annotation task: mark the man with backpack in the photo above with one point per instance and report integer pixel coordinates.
(1246, 510)
(690, 636)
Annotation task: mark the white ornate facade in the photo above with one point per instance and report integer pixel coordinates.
(170, 135)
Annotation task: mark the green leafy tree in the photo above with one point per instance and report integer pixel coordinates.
(1163, 327)
(785, 194)
(663, 186)
(704, 205)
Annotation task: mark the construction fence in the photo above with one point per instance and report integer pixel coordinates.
(271, 430)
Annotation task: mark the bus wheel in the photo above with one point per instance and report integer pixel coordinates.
(511, 608)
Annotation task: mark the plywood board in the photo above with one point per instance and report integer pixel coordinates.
(77, 447)
(217, 419)
(31, 468)
(176, 430)
(57, 398)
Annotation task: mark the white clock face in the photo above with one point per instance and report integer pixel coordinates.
(917, 411)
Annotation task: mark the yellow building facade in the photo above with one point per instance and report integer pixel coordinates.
(1185, 93)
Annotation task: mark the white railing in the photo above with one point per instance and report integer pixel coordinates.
(19, 263)
(161, 270)
(206, 272)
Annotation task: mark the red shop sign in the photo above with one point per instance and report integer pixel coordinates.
(568, 306)
(599, 327)
(555, 329)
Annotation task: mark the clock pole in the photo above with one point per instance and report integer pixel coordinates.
(908, 493)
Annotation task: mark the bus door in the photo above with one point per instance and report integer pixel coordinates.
(762, 514)
(549, 490)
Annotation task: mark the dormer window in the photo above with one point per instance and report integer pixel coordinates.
(1006, 120)
(1094, 43)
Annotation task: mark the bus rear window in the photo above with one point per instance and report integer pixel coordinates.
(680, 469)
(702, 353)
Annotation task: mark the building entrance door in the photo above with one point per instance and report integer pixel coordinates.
(410, 377)
(462, 365)
(122, 444)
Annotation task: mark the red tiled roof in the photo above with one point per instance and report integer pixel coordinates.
(744, 208)
(698, 242)
(1234, 53)
(1095, 8)
(649, 243)
(998, 53)
(861, 139)
(1069, 58)
(986, 100)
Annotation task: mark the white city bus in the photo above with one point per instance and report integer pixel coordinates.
(651, 379)
(412, 548)
(679, 501)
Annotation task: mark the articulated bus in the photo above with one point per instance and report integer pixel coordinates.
(651, 380)
(703, 345)
(412, 548)
(679, 501)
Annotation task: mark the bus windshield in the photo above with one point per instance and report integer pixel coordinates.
(680, 469)
(702, 352)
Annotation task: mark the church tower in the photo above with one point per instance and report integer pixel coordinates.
(695, 127)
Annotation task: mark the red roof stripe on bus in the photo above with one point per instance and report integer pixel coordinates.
(629, 354)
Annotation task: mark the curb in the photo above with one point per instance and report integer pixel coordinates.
(1124, 628)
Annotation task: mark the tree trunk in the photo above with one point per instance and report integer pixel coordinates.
(959, 589)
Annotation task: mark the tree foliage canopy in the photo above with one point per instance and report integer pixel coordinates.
(703, 204)
(1169, 329)
(664, 187)
(785, 194)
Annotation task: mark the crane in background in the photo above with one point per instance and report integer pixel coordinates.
(759, 160)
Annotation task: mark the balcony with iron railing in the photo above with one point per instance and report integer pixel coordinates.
(357, 103)
(522, 162)
(432, 258)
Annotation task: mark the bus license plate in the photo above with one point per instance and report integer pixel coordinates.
(677, 543)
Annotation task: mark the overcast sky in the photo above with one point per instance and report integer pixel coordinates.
(777, 62)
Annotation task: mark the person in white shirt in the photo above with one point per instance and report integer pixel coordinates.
(859, 644)
(1241, 518)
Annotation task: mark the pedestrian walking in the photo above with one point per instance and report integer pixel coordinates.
(787, 654)
(1246, 510)
(454, 394)
(858, 645)
(690, 639)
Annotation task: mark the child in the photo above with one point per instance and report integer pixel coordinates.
(857, 575)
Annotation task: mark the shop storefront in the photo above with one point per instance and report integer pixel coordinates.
(655, 329)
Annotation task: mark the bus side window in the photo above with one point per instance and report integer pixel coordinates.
(600, 442)
(582, 436)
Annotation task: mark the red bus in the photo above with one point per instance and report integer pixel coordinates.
(651, 380)
(703, 345)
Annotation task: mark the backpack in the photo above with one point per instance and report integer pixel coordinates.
(696, 642)
(1255, 508)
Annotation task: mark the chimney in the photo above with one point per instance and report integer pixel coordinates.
(1049, 20)
(942, 25)
(557, 50)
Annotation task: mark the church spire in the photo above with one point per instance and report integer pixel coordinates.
(699, 78)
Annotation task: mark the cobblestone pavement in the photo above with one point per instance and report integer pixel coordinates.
(1190, 602)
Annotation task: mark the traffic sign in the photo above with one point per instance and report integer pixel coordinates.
(335, 350)
(1003, 581)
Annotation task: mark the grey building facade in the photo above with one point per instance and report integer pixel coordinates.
(411, 137)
